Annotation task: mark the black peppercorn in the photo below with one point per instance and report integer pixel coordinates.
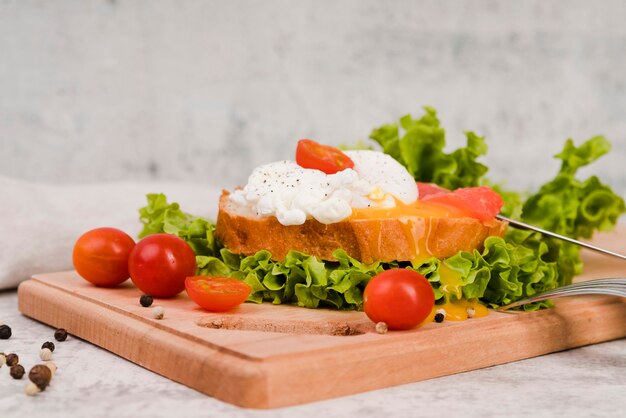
(49, 345)
(146, 300)
(5, 332)
(60, 335)
(439, 317)
(40, 375)
(12, 359)
(17, 371)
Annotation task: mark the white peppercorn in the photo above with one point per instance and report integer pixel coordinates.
(31, 389)
(52, 367)
(157, 312)
(382, 328)
(45, 354)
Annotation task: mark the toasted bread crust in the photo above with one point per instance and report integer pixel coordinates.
(366, 240)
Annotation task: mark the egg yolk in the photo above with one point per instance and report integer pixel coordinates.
(456, 307)
(401, 210)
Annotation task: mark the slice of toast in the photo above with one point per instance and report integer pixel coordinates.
(367, 240)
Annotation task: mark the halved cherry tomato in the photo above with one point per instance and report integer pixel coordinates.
(217, 294)
(429, 189)
(330, 160)
(401, 298)
(100, 256)
(160, 263)
(478, 202)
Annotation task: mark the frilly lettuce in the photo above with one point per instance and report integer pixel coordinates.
(418, 145)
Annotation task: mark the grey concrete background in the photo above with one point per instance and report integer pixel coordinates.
(203, 91)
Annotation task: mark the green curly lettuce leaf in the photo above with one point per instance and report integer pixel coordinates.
(572, 207)
(418, 145)
(158, 216)
(299, 279)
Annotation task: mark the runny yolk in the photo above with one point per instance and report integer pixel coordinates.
(456, 308)
(418, 208)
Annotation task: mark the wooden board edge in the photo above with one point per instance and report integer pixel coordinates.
(377, 366)
(242, 382)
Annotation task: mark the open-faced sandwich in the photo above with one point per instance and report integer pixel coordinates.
(314, 231)
(363, 202)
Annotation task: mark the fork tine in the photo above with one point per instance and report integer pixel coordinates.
(609, 286)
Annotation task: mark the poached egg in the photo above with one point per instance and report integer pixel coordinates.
(294, 194)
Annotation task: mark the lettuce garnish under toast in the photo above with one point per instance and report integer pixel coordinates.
(508, 269)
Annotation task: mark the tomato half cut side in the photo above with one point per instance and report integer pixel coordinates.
(330, 160)
(481, 202)
(217, 294)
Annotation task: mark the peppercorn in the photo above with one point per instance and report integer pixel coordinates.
(146, 301)
(45, 354)
(40, 375)
(157, 312)
(60, 334)
(439, 317)
(52, 367)
(3, 359)
(471, 312)
(382, 328)
(5, 332)
(31, 389)
(49, 345)
(17, 371)
(12, 359)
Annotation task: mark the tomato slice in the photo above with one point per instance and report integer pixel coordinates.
(330, 160)
(429, 189)
(478, 202)
(217, 294)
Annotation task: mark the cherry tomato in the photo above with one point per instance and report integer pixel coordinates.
(330, 160)
(100, 256)
(159, 264)
(478, 202)
(401, 298)
(217, 294)
(429, 189)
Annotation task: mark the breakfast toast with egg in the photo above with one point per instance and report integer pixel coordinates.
(365, 239)
(363, 202)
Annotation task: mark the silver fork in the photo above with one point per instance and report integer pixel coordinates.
(612, 286)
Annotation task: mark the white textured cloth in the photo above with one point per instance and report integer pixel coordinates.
(40, 223)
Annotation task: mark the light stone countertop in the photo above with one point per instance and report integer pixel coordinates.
(92, 382)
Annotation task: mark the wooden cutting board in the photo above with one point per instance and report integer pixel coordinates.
(266, 356)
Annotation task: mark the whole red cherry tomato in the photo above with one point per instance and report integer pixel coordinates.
(217, 294)
(310, 154)
(159, 264)
(100, 256)
(401, 298)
